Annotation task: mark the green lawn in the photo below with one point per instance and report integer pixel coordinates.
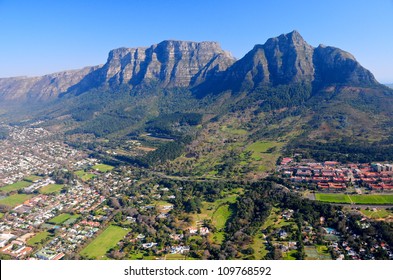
(15, 186)
(261, 147)
(378, 214)
(233, 130)
(51, 188)
(85, 176)
(319, 252)
(104, 242)
(1, 215)
(333, 197)
(36, 239)
(14, 200)
(221, 216)
(32, 178)
(357, 199)
(289, 255)
(103, 167)
(60, 219)
(372, 199)
(259, 247)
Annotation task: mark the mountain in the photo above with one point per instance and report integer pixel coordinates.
(289, 59)
(283, 90)
(169, 63)
(43, 88)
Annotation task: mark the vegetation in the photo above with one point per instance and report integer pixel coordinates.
(62, 218)
(15, 199)
(15, 186)
(85, 176)
(104, 242)
(103, 167)
(51, 188)
(39, 238)
(356, 199)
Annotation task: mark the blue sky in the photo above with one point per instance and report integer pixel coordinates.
(43, 36)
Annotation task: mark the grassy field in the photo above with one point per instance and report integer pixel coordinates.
(32, 178)
(356, 199)
(265, 154)
(85, 176)
(104, 242)
(14, 200)
(15, 186)
(36, 239)
(372, 199)
(221, 216)
(259, 247)
(378, 214)
(320, 252)
(1, 215)
(51, 188)
(233, 130)
(60, 219)
(289, 255)
(103, 167)
(333, 197)
(275, 220)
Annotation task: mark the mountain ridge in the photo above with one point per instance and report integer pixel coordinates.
(204, 66)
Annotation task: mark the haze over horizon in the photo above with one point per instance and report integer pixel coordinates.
(44, 36)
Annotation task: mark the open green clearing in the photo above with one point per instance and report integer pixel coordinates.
(357, 199)
(85, 176)
(51, 188)
(221, 216)
(320, 252)
(265, 154)
(103, 167)
(104, 242)
(60, 219)
(377, 214)
(275, 220)
(332, 197)
(15, 186)
(14, 200)
(32, 178)
(259, 246)
(38, 238)
(290, 255)
(234, 131)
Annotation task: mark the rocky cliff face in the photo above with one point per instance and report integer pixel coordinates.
(41, 88)
(203, 66)
(289, 59)
(171, 63)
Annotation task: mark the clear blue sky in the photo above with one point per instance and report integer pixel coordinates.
(42, 36)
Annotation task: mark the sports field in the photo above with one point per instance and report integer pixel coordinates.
(104, 242)
(320, 252)
(32, 178)
(85, 176)
(377, 213)
(36, 239)
(51, 188)
(355, 199)
(14, 200)
(15, 186)
(103, 167)
(60, 219)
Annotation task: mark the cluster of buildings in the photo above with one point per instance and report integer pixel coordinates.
(333, 176)
(32, 150)
(35, 215)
